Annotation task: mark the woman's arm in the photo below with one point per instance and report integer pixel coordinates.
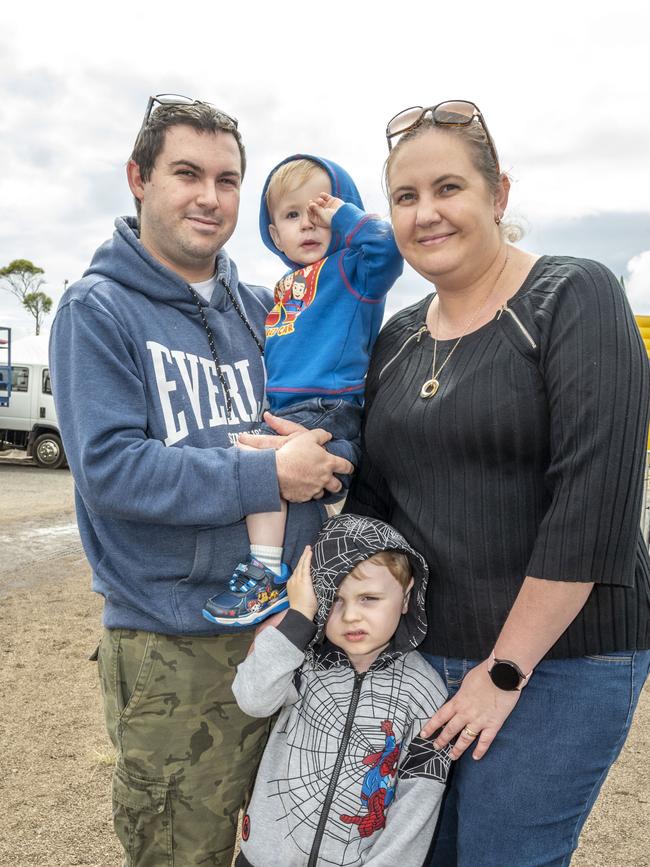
(540, 614)
(596, 377)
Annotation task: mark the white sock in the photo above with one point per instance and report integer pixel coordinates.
(269, 555)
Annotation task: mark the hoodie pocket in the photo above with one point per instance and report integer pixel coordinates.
(204, 552)
(217, 551)
(186, 594)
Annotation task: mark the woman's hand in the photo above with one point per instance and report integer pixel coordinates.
(300, 589)
(478, 706)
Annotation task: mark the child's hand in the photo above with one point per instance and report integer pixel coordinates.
(322, 209)
(300, 590)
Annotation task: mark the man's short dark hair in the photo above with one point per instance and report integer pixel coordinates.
(200, 116)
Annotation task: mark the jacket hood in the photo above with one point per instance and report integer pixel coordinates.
(124, 260)
(345, 541)
(343, 187)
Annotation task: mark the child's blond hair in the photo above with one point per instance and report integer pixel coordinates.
(396, 562)
(290, 176)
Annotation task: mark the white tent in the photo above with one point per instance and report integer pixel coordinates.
(30, 350)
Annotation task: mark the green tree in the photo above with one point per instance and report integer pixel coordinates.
(39, 305)
(23, 279)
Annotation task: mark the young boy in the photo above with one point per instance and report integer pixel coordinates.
(345, 778)
(319, 336)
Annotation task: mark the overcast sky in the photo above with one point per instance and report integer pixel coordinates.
(564, 91)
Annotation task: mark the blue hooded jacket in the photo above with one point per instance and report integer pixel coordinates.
(161, 493)
(320, 345)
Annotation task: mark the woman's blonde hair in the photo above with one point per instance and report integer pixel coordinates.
(474, 135)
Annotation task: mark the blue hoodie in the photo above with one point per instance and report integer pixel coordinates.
(161, 493)
(320, 345)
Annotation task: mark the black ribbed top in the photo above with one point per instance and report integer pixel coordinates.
(528, 461)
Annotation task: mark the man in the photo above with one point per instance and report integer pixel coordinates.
(157, 366)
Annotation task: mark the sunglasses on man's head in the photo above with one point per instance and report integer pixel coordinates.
(459, 112)
(177, 99)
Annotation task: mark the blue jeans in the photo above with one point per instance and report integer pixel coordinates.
(525, 802)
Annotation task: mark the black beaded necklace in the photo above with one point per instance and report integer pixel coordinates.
(213, 348)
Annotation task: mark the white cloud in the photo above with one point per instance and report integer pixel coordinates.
(638, 282)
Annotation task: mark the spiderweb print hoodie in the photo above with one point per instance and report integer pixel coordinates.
(345, 778)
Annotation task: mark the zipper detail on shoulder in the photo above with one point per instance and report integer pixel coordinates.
(418, 334)
(331, 789)
(520, 324)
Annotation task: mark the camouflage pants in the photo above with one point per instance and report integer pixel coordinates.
(186, 754)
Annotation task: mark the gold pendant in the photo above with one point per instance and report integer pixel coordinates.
(429, 388)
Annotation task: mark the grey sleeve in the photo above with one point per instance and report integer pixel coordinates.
(411, 819)
(264, 680)
(421, 779)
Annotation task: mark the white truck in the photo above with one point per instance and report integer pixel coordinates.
(27, 415)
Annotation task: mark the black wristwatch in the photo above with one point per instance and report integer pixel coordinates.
(506, 674)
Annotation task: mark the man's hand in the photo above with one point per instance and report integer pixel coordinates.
(284, 429)
(322, 209)
(300, 589)
(305, 470)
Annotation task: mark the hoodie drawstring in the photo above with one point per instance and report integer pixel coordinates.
(213, 348)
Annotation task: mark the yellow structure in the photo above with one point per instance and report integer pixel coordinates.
(644, 327)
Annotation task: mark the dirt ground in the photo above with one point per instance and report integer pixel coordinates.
(55, 761)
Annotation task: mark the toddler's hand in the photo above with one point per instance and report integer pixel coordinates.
(300, 589)
(323, 207)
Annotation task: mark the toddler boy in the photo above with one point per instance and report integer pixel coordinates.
(319, 336)
(345, 778)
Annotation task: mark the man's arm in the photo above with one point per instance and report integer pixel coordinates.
(124, 473)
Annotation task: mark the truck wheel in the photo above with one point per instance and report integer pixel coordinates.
(48, 451)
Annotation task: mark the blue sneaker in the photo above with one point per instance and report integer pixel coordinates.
(255, 593)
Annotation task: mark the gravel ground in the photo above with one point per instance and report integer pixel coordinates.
(55, 762)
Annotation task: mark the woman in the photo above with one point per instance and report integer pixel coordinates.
(506, 416)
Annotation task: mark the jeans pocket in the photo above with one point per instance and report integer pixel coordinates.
(617, 657)
(142, 815)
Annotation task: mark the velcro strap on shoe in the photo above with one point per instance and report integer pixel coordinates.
(246, 576)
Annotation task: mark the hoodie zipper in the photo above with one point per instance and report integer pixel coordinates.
(418, 334)
(522, 327)
(329, 797)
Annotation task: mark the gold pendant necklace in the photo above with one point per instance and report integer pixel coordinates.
(432, 385)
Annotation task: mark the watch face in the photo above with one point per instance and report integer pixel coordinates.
(505, 676)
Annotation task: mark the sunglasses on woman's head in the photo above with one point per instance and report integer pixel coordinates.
(459, 112)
